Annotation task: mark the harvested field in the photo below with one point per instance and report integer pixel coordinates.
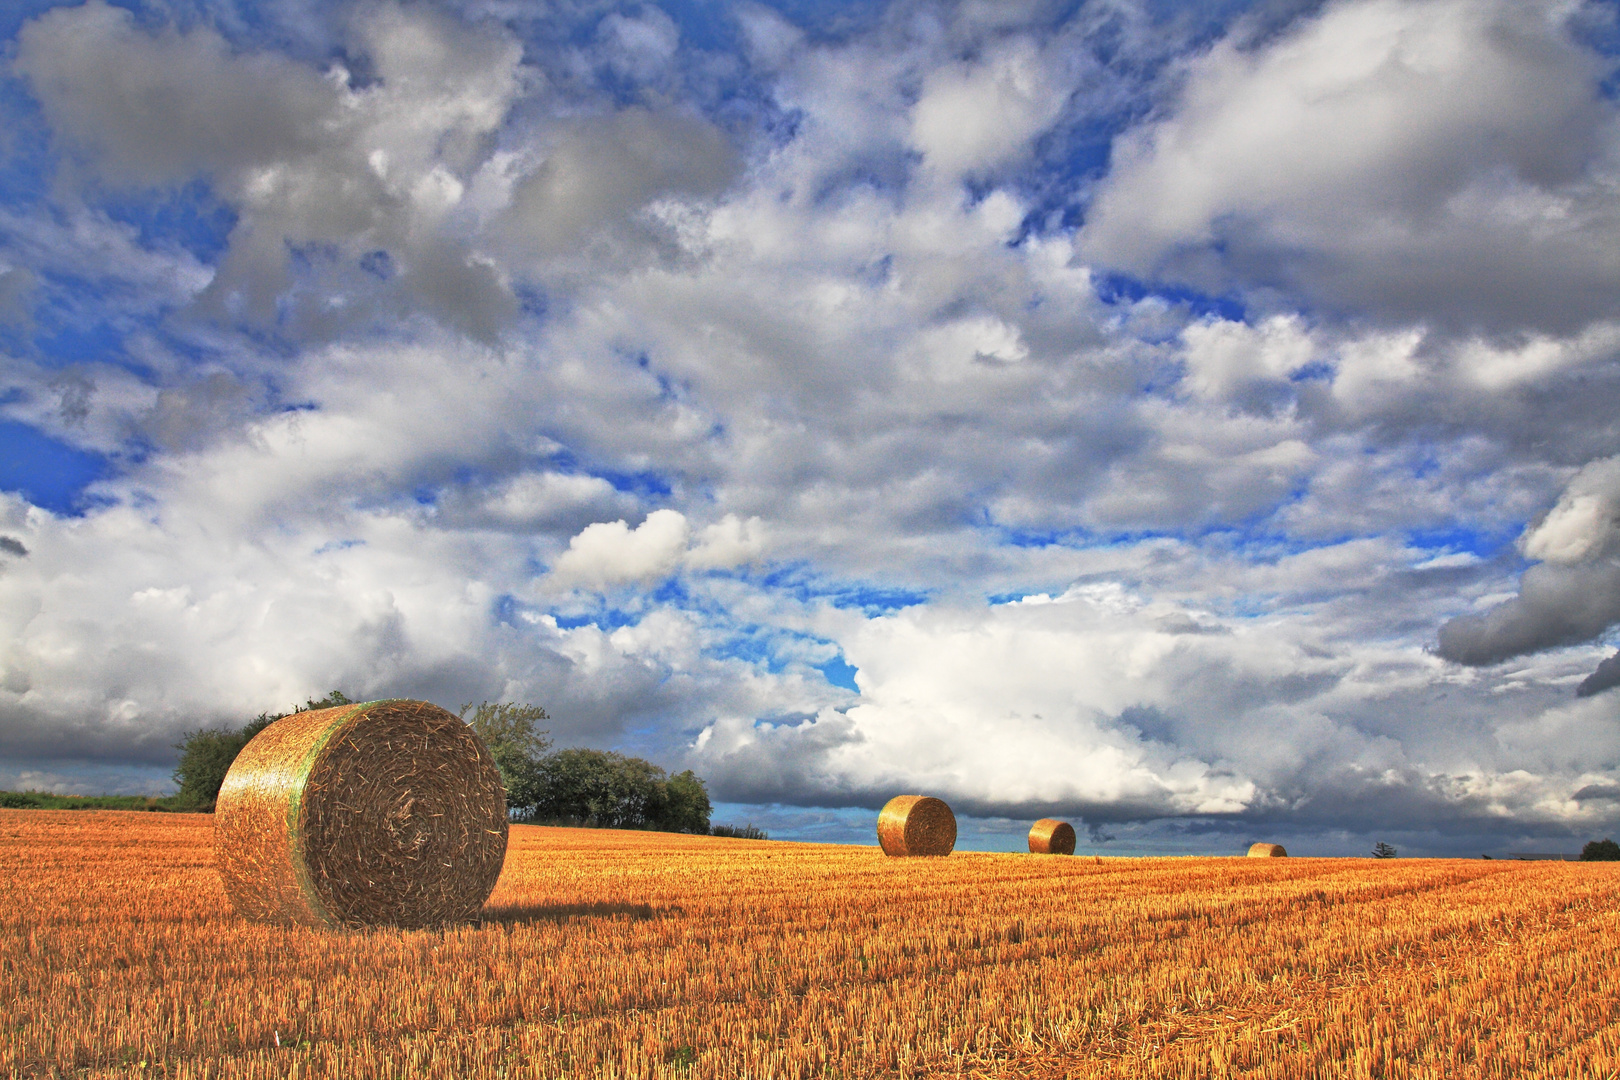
(634, 954)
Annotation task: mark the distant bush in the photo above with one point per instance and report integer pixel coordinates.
(606, 790)
(44, 800)
(1382, 850)
(593, 788)
(738, 832)
(1601, 851)
(206, 755)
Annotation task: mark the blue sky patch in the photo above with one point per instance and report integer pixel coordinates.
(607, 619)
(840, 672)
(1117, 288)
(79, 343)
(191, 217)
(641, 484)
(755, 647)
(1486, 543)
(46, 472)
(871, 598)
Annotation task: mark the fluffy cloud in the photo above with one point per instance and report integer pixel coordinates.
(611, 553)
(728, 543)
(1227, 359)
(598, 173)
(806, 403)
(1104, 705)
(1417, 160)
(971, 117)
(1572, 595)
(1012, 710)
(314, 166)
(534, 500)
(607, 554)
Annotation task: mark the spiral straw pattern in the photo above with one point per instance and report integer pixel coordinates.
(387, 813)
(916, 825)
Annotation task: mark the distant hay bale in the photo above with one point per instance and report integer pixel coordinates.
(1267, 851)
(916, 825)
(1049, 836)
(387, 813)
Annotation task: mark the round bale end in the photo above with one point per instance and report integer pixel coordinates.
(1049, 836)
(386, 813)
(916, 825)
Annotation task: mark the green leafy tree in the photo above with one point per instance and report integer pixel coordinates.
(1601, 851)
(508, 731)
(591, 787)
(608, 790)
(207, 754)
(686, 807)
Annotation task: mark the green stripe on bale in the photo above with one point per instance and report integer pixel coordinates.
(341, 716)
(389, 813)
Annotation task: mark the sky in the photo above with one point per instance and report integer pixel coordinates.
(1200, 422)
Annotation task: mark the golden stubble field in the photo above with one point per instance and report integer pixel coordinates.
(648, 955)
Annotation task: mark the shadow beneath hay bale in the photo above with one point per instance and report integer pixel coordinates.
(523, 914)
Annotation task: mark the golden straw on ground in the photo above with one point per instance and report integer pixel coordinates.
(637, 954)
(388, 813)
(916, 825)
(1267, 851)
(1049, 836)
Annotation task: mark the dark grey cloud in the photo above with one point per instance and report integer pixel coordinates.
(1570, 597)
(1604, 678)
(11, 545)
(1556, 606)
(598, 172)
(157, 107)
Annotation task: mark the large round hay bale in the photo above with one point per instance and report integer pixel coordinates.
(388, 813)
(1267, 851)
(1049, 836)
(916, 825)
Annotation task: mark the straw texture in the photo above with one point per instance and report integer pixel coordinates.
(916, 825)
(1267, 851)
(1049, 836)
(388, 813)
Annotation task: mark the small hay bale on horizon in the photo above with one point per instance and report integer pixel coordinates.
(1049, 836)
(383, 813)
(1267, 851)
(916, 825)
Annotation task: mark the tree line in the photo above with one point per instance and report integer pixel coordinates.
(592, 788)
